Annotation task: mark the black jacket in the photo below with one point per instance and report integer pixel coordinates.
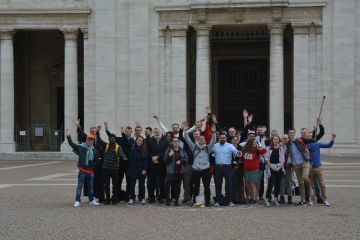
(81, 152)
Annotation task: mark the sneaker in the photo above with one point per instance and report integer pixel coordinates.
(216, 204)
(267, 204)
(93, 203)
(290, 200)
(176, 203)
(143, 201)
(151, 200)
(130, 202)
(282, 200)
(310, 203)
(107, 202)
(161, 201)
(77, 204)
(301, 203)
(276, 203)
(167, 202)
(326, 203)
(231, 204)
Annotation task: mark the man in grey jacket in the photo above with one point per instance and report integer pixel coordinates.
(200, 167)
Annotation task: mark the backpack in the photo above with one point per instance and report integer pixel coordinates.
(116, 149)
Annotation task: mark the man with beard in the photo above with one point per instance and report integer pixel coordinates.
(224, 153)
(112, 157)
(157, 170)
(123, 164)
(98, 176)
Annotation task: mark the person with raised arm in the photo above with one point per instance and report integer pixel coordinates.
(86, 162)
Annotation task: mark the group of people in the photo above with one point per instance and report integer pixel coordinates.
(190, 155)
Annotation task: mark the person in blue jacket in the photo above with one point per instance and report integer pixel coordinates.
(137, 167)
(316, 170)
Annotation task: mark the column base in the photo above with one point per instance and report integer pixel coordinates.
(7, 147)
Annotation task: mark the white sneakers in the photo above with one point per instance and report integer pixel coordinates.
(130, 202)
(93, 203)
(267, 204)
(231, 204)
(276, 203)
(326, 203)
(216, 205)
(143, 201)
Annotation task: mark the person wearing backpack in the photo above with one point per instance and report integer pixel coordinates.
(299, 157)
(86, 163)
(201, 165)
(113, 154)
(137, 168)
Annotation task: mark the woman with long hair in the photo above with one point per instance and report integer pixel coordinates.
(250, 158)
(137, 167)
(275, 159)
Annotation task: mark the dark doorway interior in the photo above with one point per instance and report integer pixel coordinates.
(39, 89)
(240, 74)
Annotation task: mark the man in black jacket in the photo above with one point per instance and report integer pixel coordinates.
(113, 155)
(86, 163)
(157, 169)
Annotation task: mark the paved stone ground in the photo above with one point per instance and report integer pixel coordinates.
(37, 197)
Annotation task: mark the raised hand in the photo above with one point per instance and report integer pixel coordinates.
(213, 128)
(67, 131)
(318, 121)
(137, 123)
(245, 113)
(76, 122)
(333, 136)
(156, 117)
(122, 129)
(106, 125)
(214, 118)
(250, 118)
(98, 128)
(184, 125)
(207, 110)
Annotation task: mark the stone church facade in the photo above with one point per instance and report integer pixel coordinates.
(122, 60)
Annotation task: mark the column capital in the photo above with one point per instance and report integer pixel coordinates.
(202, 30)
(179, 30)
(162, 30)
(276, 28)
(6, 34)
(85, 32)
(70, 34)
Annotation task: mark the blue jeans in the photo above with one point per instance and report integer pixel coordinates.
(89, 178)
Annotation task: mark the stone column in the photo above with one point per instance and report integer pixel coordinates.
(178, 73)
(162, 71)
(276, 96)
(301, 77)
(89, 86)
(202, 95)
(7, 104)
(70, 84)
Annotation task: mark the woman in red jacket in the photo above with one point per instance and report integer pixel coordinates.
(250, 158)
